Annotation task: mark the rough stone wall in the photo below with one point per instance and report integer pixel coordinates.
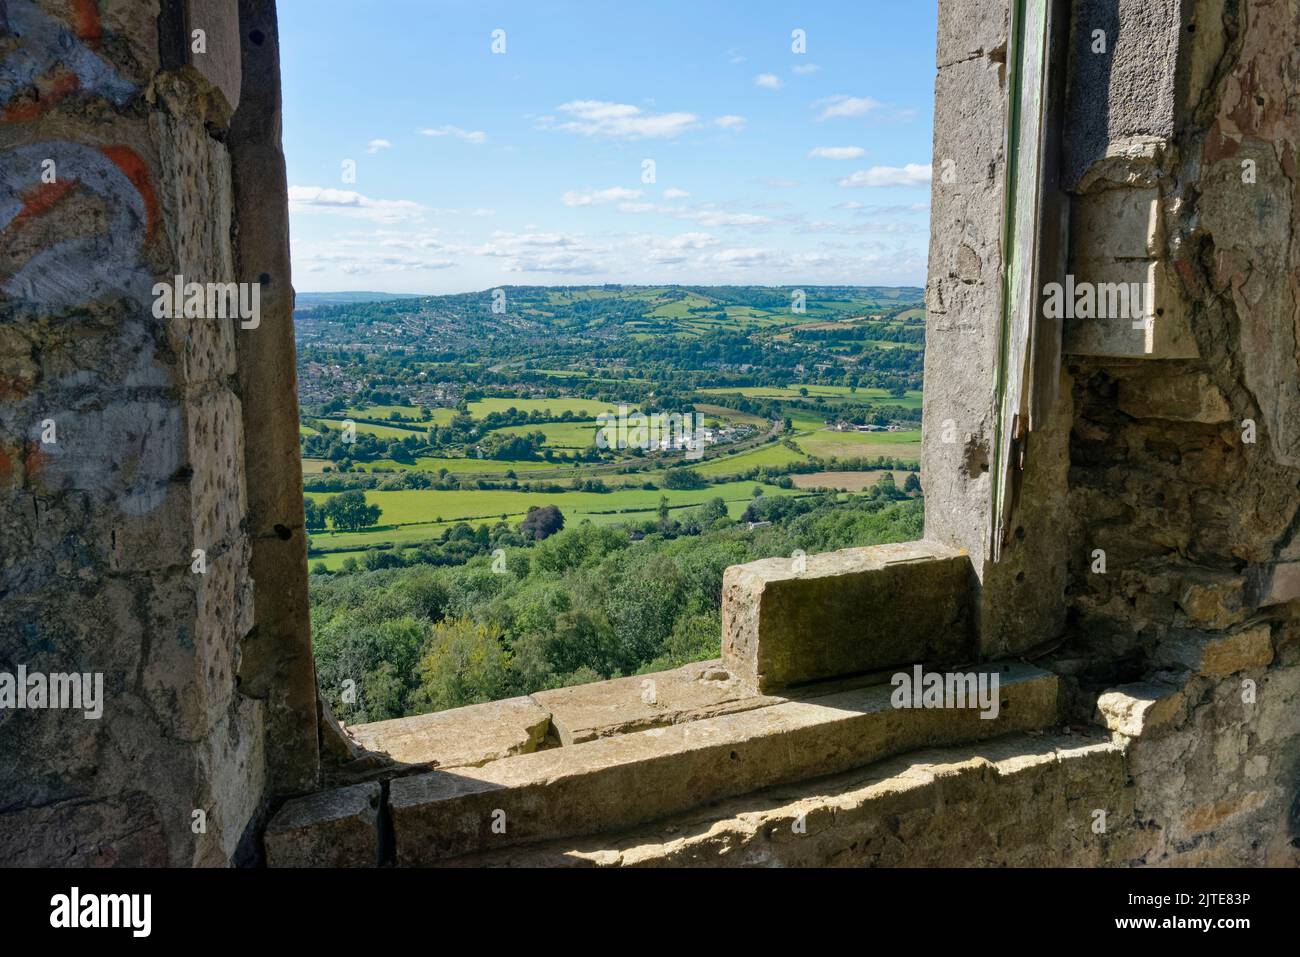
(122, 441)
(1021, 595)
(1197, 779)
(278, 667)
(1180, 163)
(1183, 472)
(963, 289)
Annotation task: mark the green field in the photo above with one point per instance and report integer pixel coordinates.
(459, 466)
(366, 428)
(417, 512)
(409, 412)
(775, 454)
(806, 421)
(912, 400)
(824, 443)
(559, 435)
(730, 415)
(481, 407)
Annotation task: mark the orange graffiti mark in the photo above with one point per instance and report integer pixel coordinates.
(59, 87)
(6, 466)
(85, 21)
(40, 199)
(129, 162)
(36, 458)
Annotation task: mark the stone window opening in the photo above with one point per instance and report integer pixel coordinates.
(1143, 626)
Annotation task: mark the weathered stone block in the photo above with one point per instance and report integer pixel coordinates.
(1158, 330)
(1116, 224)
(1174, 395)
(602, 708)
(470, 736)
(1218, 656)
(843, 613)
(969, 29)
(338, 828)
(626, 779)
(1133, 709)
(1127, 93)
(219, 60)
(1212, 601)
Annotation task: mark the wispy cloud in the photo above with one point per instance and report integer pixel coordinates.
(768, 81)
(913, 174)
(544, 253)
(619, 121)
(837, 152)
(704, 214)
(376, 145)
(318, 199)
(672, 192)
(379, 251)
(599, 197)
(469, 136)
(803, 69)
(730, 122)
(841, 105)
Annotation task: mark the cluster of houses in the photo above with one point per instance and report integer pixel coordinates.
(843, 426)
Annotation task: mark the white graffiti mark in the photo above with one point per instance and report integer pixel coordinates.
(48, 43)
(99, 267)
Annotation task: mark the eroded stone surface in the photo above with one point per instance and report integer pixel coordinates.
(1135, 708)
(621, 780)
(338, 828)
(472, 735)
(1220, 655)
(931, 808)
(601, 708)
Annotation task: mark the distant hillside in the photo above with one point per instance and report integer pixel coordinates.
(311, 300)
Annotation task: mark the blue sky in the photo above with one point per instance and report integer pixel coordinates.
(476, 169)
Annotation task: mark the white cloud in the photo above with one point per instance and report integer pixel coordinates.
(704, 214)
(598, 197)
(913, 174)
(803, 69)
(380, 251)
(469, 136)
(719, 217)
(619, 121)
(317, 199)
(544, 253)
(734, 57)
(730, 122)
(672, 192)
(899, 209)
(768, 81)
(837, 152)
(376, 145)
(842, 105)
(673, 250)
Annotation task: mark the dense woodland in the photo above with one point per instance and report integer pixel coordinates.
(583, 604)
